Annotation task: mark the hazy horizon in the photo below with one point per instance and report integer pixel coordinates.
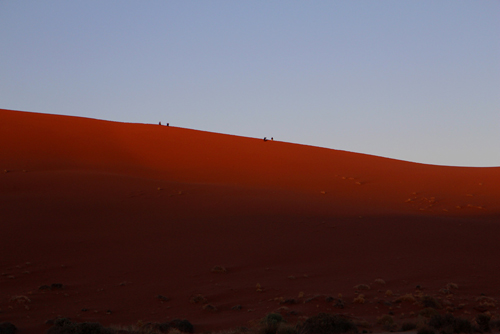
(416, 80)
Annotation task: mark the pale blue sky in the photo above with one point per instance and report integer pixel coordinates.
(410, 80)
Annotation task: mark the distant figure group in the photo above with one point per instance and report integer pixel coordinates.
(265, 138)
(159, 123)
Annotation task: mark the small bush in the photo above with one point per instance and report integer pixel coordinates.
(360, 299)
(218, 269)
(448, 324)
(7, 328)
(66, 326)
(429, 301)
(287, 329)
(387, 322)
(198, 299)
(182, 325)
(406, 298)
(210, 307)
(271, 322)
(426, 330)
(483, 322)
(153, 327)
(495, 324)
(408, 326)
(324, 323)
(362, 287)
(428, 312)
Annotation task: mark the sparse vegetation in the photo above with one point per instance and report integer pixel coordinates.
(483, 322)
(387, 322)
(287, 329)
(408, 326)
(429, 301)
(406, 298)
(360, 299)
(495, 324)
(66, 326)
(182, 325)
(271, 322)
(426, 330)
(210, 307)
(448, 324)
(325, 323)
(219, 269)
(486, 302)
(428, 312)
(362, 287)
(198, 299)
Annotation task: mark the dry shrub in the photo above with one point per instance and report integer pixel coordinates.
(362, 323)
(339, 303)
(426, 330)
(163, 298)
(483, 322)
(325, 323)
(287, 329)
(380, 281)
(450, 286)
(487, 302)
(20, 299)
(175, 326)
(210, 307)
(289, 301)
(429, 301)
(448, 324)
(360, 299)
(198, 299)
(66, 326)
(182, 325)
(406, 298)
(387, 322)
(495, 324)
(218, 269)
(271, 322)
(362, 287)
(408, 326)
(428, 312)
(389, 293)
(7, 328)
(238, 330)
(174, 331)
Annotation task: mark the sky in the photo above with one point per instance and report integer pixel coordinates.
(410, 80)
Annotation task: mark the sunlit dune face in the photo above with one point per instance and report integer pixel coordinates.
(134, 223)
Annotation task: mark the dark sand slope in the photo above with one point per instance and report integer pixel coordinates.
(122, 213)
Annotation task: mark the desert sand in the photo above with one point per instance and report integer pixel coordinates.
(123, 223)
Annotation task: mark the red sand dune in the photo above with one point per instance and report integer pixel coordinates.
(122, 213)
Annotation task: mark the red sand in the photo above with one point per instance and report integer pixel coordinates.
(121, 213)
